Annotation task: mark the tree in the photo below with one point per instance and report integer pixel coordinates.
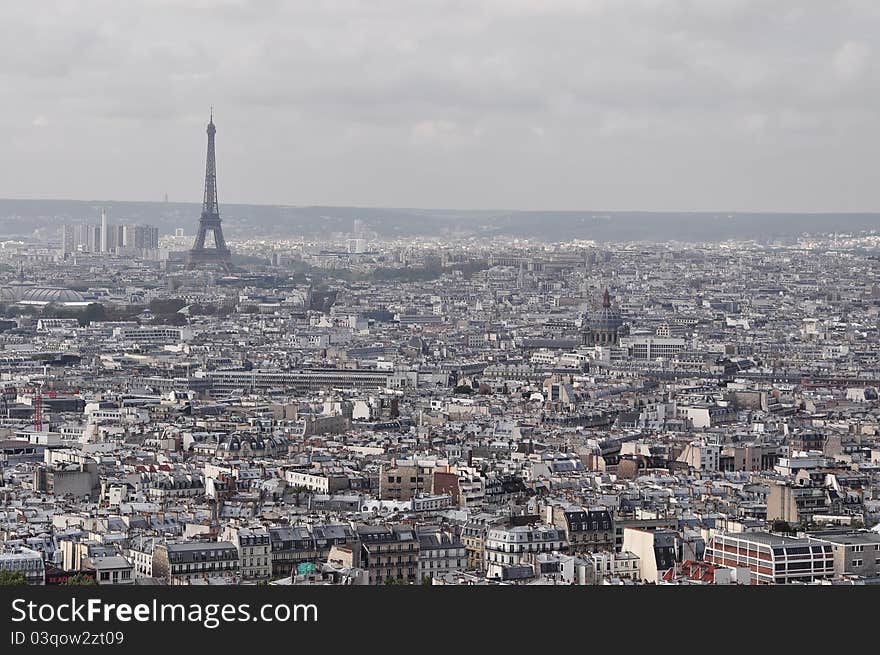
(81, 580)
(12, 578)
(94, 312)
(172, 319)
(426, 580)
(166, 306)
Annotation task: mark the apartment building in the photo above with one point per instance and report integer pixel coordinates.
(184, 563)
(389, 553)
(855, 553)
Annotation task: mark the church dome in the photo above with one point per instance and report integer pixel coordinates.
(604, 326)
(606, 318)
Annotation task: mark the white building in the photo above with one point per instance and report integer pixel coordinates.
(649, 347)
(27, 561)
(509, 546)
(701, 456)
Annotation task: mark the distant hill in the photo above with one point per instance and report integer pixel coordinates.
(40, 219)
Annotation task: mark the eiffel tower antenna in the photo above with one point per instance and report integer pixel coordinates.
(219, 255)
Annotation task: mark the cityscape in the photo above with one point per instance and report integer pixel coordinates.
(461, 404)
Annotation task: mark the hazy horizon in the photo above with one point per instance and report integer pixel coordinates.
(482, 210)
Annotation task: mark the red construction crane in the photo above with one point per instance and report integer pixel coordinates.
(38, 412)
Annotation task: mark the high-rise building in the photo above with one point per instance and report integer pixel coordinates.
(357, 246)
(104, 231)
(125, 239)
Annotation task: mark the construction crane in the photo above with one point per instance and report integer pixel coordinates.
(38, 411)
(38, 394)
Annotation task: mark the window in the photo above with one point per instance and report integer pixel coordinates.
(857, 562)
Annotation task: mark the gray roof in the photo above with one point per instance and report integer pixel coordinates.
(190, 552)
(112, 562)
(852, 538)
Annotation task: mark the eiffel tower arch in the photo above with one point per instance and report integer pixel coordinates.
(219, 255)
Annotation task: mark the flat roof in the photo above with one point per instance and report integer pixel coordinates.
(850, 538)
(766, 538)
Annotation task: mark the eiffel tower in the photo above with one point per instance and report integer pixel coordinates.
(219, 255)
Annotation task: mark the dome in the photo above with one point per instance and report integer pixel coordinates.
(603, 327)
(606, 318)
(51, 294)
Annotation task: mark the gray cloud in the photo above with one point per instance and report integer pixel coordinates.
(593, 104)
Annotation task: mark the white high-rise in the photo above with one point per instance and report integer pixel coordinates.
(105, 232)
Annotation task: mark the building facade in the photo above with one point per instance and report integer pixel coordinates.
(184, 563)
(772, 558)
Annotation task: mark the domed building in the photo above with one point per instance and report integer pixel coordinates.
(28, 294)
(51, 295)
(605, 327)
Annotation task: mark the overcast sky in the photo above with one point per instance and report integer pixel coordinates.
(519, 104)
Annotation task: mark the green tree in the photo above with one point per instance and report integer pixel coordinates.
(93, 312)
(81, 580)
(166, 306)
(12, 578)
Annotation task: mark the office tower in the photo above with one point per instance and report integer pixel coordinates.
(105, 232)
